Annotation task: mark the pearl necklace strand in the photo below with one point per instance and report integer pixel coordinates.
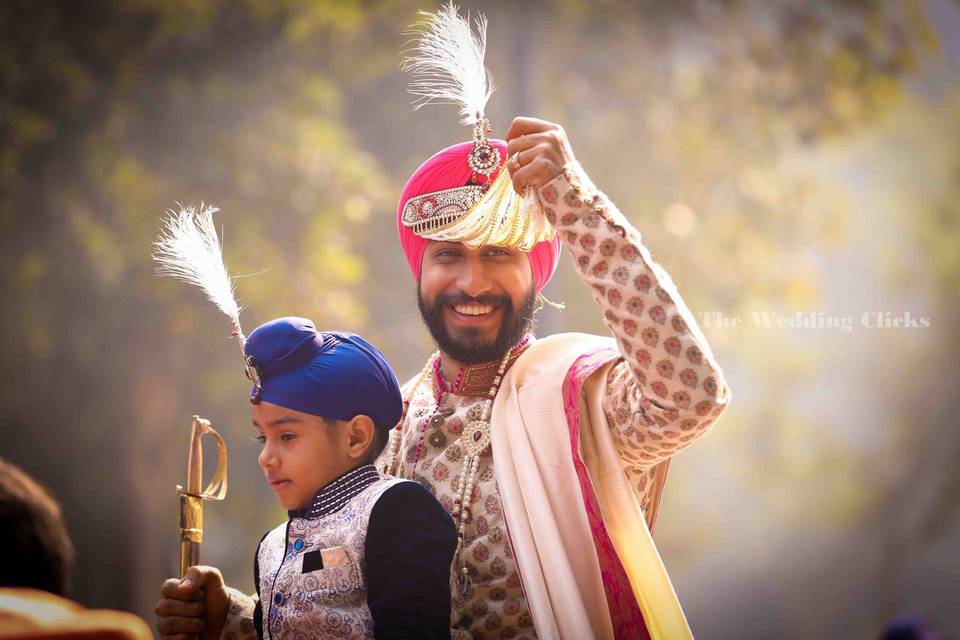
(474, 441)
(395, 441)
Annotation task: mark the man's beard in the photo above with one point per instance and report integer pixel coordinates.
(469, 347)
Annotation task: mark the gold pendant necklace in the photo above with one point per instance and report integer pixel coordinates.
(474, 441)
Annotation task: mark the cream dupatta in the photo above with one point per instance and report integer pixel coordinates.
(544, 506)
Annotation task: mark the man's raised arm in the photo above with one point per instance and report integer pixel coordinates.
(669, 389)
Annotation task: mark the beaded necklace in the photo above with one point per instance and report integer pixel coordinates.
(474, 441)
(392, 466)
(467, 383)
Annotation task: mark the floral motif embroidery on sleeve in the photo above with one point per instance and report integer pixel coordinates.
(668, 389)
(239, 622)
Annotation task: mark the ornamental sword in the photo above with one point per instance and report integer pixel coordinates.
(191, 497)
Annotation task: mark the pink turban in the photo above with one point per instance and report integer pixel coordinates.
(448, 169)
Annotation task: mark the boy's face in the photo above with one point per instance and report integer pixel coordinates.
(301, 453)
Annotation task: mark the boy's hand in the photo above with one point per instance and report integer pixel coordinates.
(195, 607)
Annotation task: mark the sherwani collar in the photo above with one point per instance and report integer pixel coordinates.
(475, 380)
(338, 493)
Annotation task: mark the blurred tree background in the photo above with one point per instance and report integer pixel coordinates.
(788, 156)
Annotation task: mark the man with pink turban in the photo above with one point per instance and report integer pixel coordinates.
(549, 453)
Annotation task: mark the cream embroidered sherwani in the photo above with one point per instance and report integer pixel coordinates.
(628, 403)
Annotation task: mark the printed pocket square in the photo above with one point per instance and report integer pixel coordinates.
(325, 559)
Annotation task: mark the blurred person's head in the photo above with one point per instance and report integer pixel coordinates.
(325, 405)
(910, 626)
(33, 536)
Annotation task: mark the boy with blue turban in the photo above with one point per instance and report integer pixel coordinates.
(361, 555)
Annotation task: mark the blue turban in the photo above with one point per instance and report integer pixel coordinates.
(333, 375)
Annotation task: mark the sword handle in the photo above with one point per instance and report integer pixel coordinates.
(191, 497)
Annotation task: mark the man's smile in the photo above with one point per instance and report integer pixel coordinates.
(473, 309)
(472, 313)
